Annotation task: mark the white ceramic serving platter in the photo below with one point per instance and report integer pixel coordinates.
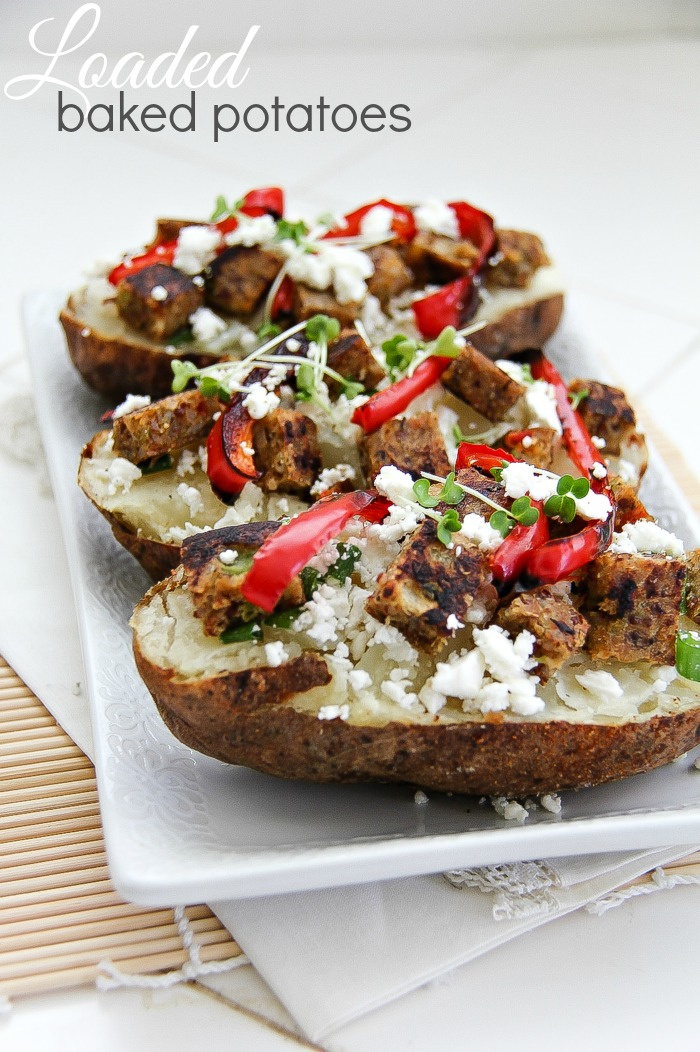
(181, 827)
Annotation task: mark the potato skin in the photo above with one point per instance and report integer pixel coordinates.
(118, 366)
(247, 718)
(521, 328)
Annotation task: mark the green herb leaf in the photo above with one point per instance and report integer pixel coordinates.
(576, 397)
(183, 371)
(580, 488)
(328, 220)
(153, 466)
(527, 377)
(321, 327)
(268, 330)
(352, 388)
(309, 581)
(344, 566)
(500, 522)
(244, 633)
(449, 523)
(399, 352)
(552, 506)
(524, 512)
(306, 382)
(181, 337)
(221, 209)
(421, 488)
(213, 388)
(451, 492)
(564, 484)
(498, 472)
(295, 232)
(282, 618)
(446, 346)
(568, 509)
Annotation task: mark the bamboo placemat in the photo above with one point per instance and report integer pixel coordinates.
(60, 917)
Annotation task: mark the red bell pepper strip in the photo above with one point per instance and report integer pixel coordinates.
(229, 467)
(385, 404)
(403, 225)
(475, 226)
(475, 455)
(577, 440)
(290, 548)
(557, 560)
(509, 559)
(266, 201)
(284, 299)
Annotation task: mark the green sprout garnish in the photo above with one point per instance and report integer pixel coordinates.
(399, 352)
(576, 397)
(267, 330)
(448, 524)
(562, 504)
(295, 232)
(222, 210)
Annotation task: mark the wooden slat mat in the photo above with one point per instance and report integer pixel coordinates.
(59, 914)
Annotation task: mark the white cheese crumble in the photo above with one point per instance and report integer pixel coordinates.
(187, 462)
(627, 471)
(130, 404)
(436, 217)
(253, 230)
(259, 401)
(511, 810)
(522, 479)
(228, 556)
(541, 402)
(331, 477)
(196, 248)
(276, 653)
(598, 442)
(645, 536)
(395, 484)
(120, 474)
(341, 266)
(334, 712)
(191, 497)
(476, 529)
(453, 623)
(359, 679)
(599, 470)
(159, 293)
(376, 223)
(600, 683)
(206, 325)
(551, 802)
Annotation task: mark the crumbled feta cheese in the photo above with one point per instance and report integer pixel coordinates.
(198, 280)
(511, 810)
(196, 248)
(480, 532)
(259, 401)
(398, 690)
(598, 442)
(645, 536)
(120, 474)
(331, 477)
(515, 370)
(276, 653)
(187, 462)
(325, 558)
(541, 402)
(359, 679)
(253, 230)
(192, 498)
(436, 217)
(527, 441)
(376, 223)
(159, 293)
(599, 470)
(601, 684)
(130, 404)
(228, 556)
(453, 623)
(522, 479)
(247, 508)
(627, 472)
(177, 534)
(551, 802)
(206, 325)
(395, 484)
(247, 449)
(506, 659)
(334, 712)
(461, 676)
(397, 524)
(341, 266)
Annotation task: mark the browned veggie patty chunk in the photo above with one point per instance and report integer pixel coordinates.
(168, 424)
(158, 300)
(692, 595)
(286, 451)
(238, 279)
(477, 381)
(519, 255)
(555, 623)
(308, 302)
(536, 447)
(427, 582)
(605, 412)
(439, 258)
(633, 604)
(391, 275)
(215, 585)
(413, 444)
(350, 356)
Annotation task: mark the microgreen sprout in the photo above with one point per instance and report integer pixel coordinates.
(576, 397)
(288, 231)
(267, 330)
(562, 504)
(222, 210)
(522, 510)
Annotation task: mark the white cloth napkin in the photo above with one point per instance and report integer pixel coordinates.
(330, 956)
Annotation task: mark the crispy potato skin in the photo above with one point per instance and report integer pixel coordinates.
(520, 328)
(116, 367)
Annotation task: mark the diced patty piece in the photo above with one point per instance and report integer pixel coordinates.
(350, 356)
(308, 301)
(237, 280)
(535, 446)
(215, 585)
(164, 426)
(692, 595)
(435, 257)
(605, 412)
(481, 384)
(413, 444)
(628, 506)
(519, 255)
(391, 275)
(158, 300)
(169, 229)
(632, 604)
(286, 451)
(551, 617)
(483, 484)
(427, 582)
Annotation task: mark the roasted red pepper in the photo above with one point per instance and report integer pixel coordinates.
(475, 455)
(559, 559)
(229, 466)
(455, 303)
(268, 200)
(578, 442)
(509, 559)
(293, 545)
(385, 404)
(284, 298)
(403, 225)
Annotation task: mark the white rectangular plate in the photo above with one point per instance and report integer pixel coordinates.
(181, 827)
